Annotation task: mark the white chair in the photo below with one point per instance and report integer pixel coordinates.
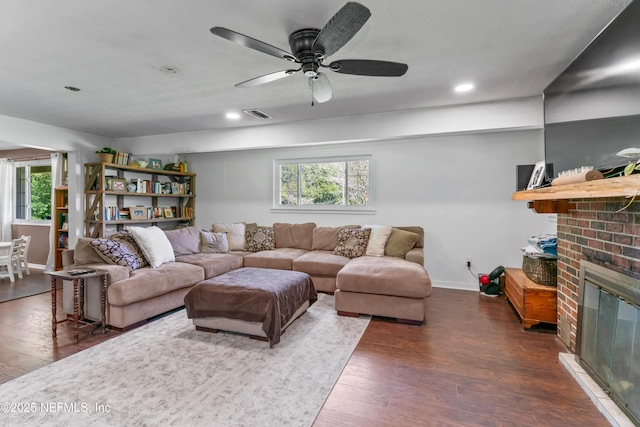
(10, 260)
(24, 251)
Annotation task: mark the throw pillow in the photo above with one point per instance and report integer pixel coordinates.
(352, 242)
(379, 236)
(260, 239)
(184, 241)
(400, 242)
(235, 234)
(126, 239)
(326, 238)
(114, 252)
(213, 243)
(154, 244)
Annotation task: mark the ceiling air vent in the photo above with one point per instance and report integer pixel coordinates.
(257, 114)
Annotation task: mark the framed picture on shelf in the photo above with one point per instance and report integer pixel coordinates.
(168, 213)
(118, 184)
(537, 176)
(155, 164)
(138, 212)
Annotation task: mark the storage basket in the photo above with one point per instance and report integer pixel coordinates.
(543, 271)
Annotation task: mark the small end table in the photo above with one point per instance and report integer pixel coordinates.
(78, 277)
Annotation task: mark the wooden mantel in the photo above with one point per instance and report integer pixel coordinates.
(626, 186)
(555, 199)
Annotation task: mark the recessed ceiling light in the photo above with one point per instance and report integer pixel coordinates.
(72, 88)
(464, 87)
(233, 116)
(169, 69)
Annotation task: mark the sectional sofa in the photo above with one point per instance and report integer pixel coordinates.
(391, 282)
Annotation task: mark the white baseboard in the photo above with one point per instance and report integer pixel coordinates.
(456, 285)
(38, 266)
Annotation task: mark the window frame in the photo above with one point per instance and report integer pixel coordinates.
(370, 208)
(28, 164)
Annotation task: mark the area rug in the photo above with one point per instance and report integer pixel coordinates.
(166, 373)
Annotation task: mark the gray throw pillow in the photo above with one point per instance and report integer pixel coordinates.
(213, 243)
(184, 241)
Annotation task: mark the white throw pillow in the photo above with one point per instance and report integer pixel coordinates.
(378, 239)
(154, 244)
(235, 234)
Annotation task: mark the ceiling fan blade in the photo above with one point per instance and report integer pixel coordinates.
(341, 28)
(320, 88)
(252, 43)
(267, 78)
(369, 67)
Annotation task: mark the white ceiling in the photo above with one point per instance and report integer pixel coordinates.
(115, 51)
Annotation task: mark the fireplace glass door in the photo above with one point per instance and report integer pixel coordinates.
(609, 342)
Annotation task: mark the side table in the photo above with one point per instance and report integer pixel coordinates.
(78, 277)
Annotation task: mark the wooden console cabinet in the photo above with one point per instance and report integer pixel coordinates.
(534, 303)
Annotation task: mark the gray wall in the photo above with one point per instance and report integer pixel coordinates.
(457, 187)
(39, 246)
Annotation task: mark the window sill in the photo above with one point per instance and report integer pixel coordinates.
(316, 210)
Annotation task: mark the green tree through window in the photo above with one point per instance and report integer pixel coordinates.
(33, 191)
(343, 182)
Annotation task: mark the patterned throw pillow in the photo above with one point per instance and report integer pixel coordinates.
(116, 252)
(126, 238)
(352, 242)
(260, 239)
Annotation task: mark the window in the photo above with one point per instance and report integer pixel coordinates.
(33, 190)
(323, 184)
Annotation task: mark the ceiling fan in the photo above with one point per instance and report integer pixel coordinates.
(311, 47)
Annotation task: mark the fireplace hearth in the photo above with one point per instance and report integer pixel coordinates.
(608, 334)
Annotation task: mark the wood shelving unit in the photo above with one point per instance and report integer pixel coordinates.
(60, 224)
(97, 194)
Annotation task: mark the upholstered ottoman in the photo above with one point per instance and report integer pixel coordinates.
(259, 302)
(383, 286)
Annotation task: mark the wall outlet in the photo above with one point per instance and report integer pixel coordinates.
(468, 261)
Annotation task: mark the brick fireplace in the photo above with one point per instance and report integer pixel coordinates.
(592, 230)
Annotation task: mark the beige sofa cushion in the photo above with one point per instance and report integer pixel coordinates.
(278, 258)
(146, 283)
(384, 276)
(213, 264)
(326, 238)
(299, 236)
(320, 263)
(85, 254)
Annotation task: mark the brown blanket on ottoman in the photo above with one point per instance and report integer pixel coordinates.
(252, 294)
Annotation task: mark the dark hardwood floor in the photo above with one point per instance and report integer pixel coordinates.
(471, 365)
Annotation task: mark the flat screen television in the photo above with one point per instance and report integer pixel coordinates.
(592, 109)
